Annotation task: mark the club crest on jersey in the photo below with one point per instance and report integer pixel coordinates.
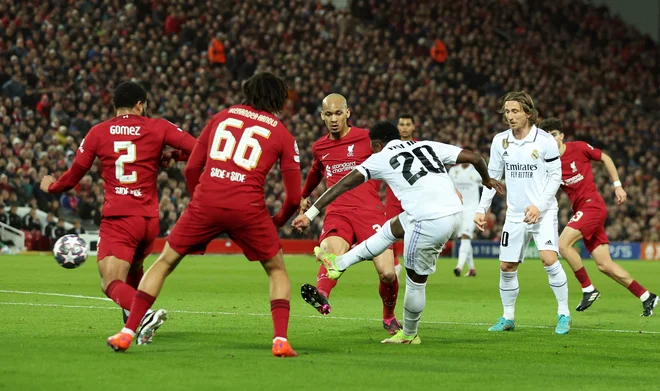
(535, 154)
(573, 167)
(350, 150)
(505, 143)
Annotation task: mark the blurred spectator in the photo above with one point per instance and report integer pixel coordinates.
(14, 218)
(50, 226)
(77, 228)
(4, 219)
(59, 230)
(31, 221)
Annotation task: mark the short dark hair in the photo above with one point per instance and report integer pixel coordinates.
(407, 116)
(265, 92)
(550, 124)
(384, 131)
(128, 94)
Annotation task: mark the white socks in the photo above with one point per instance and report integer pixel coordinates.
(559, 285)
(464, 253)
(509, 290)
(370, 248)
(413, 304)
(470, 260)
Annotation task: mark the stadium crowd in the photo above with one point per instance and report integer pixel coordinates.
(446, 63)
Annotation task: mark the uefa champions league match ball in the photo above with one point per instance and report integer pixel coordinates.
(70, 251)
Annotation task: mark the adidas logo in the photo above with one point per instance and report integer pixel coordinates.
(549, 242)
(505, 153)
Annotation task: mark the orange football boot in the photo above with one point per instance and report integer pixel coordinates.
(122, 341)
(281, 348)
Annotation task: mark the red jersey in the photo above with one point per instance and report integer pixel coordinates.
(577, 177)
(237, 149)
(335, 159)
(130, 149)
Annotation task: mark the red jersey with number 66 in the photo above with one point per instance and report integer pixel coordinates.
(237, 149)
(577, 177)
(130, 149)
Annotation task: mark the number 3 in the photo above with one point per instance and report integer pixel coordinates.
(129, 157)
(227, 150)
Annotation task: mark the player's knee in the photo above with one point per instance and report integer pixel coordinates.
(605, 267)
(508, 266)
(387, 276)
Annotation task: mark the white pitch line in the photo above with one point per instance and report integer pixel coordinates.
(55, 294)
(323, 317)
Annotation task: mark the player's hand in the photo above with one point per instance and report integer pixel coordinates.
(460, 196)
(167, 160)
(532, 215)
(300, 223)
(480, 221)
(46, 182)
(620, 195)
(494, 184)
(305, 203)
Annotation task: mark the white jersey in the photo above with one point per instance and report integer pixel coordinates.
(416, 173)
(467, 181)
(532, 171)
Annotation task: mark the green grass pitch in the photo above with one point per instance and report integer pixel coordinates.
(54, 323)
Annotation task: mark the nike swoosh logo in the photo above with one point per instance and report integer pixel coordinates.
(324, 156)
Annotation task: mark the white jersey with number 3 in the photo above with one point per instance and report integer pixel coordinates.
(416, 173)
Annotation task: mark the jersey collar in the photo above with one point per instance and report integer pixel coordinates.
(531, 137)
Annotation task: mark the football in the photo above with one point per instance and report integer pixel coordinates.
(70, 251)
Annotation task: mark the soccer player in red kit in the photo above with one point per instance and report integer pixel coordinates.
(588, 221)
(225, 176)
(406, 126)
(129, 147)
(352, 217)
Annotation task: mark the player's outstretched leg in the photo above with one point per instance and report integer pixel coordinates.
(329, 262)
(509, 289)
(413, 305)
(370, 248)
(280, 295)
(145, 297)
(315, 298)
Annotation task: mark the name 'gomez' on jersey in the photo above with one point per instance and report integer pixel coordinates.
(130, 148)
(416, 173)
(241, 145)
(577, 177)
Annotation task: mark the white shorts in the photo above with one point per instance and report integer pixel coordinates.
(467, 227)
(516, 236)
(423, 240)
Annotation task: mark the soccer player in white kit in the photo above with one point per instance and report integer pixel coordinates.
(467, 180)
(416, 173)
(529, 159)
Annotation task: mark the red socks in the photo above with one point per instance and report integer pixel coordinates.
(389, 293)
(121, 293)
(141, 304)
(583, 277)
(636, 289)
(279, 310)
(323, 283)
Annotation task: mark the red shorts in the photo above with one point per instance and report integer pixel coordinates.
(129, 238)
(354, 226)
(253, 231)
(589, 219)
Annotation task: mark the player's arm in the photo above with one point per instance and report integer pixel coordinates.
(81, 164)
(479, 164)
(196, 161)
(290, 169)
(596, 154)
(553, 173)
(495, 171)
(314, 178)
(348, 182)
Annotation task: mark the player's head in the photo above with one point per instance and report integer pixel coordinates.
(265, 92)
(335, 113)
(555, 128)
(130, 96)
(381, 134)
(406, 126)
(518, 110)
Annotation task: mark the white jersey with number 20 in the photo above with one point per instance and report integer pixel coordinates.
(416, 173)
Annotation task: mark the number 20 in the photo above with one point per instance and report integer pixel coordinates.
(224, 152)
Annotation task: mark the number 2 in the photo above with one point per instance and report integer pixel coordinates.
(224, 152)
(129, 157)
(408, 161)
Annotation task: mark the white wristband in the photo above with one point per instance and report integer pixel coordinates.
(312, 213)
(616, 184)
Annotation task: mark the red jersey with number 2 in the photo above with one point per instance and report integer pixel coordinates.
(577, 177)
(237, 149)
(130, 148)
